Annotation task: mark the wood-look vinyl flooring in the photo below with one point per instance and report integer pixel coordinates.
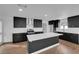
(64, 47)
(14, 48)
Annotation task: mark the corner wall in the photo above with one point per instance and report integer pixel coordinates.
(7, 28)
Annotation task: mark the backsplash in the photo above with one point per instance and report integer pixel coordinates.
(68, 30)
(63, 22)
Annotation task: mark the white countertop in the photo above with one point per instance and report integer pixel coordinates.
(69, 30)
(35, 37)
(73, 32)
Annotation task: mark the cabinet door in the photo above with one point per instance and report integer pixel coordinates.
(19, 37)
(74, 38)
(71, 37)
(19, 22)
(37, 23)
(73, 21)
(67, 36)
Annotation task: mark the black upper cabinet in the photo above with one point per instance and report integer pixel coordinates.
(54, 22)
(37, 23)
(51, 22)
(73, 21)
(19, 22)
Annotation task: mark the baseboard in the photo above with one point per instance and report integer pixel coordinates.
(6, 43)
(1, 43)
(39, 51)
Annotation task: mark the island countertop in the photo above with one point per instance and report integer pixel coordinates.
(35, 37)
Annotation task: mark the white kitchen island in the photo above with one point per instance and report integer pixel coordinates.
(41, 42)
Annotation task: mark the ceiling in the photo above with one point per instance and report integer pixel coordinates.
(43, 11)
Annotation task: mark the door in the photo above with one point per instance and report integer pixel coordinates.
(44, 27)
(51, 28)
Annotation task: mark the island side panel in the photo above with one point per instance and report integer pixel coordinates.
(43, 43)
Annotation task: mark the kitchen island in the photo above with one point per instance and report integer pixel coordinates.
(41, 42)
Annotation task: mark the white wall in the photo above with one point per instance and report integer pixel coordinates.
(72, 30)
(45, 26)
(7, 28)
(0, 30)
(63, 22)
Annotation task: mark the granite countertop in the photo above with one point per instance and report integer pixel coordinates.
(41, 36)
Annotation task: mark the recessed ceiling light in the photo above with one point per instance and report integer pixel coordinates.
(45, 15)
(20, 9)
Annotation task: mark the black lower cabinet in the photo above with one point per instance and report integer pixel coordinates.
(40, 44)
(71, 37)
(19, 37)
(38, 32)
